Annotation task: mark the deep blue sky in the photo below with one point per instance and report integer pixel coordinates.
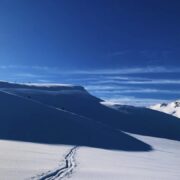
(119, 49)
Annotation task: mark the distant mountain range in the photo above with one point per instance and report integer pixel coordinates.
(172, 108)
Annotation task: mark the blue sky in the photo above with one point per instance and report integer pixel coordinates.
(122, 50)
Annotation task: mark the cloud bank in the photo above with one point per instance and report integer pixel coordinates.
(135, 85)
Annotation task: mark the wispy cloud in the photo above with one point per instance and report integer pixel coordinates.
(136, 70)
(108, 90)
(155, 81)
(123, 70)
(138, 82)
(131, 100)
(28, 75)
(106, 83)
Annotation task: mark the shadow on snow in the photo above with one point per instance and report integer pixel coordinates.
(24, 120)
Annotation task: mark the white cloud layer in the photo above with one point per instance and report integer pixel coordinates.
(105, 82)
(130, 100)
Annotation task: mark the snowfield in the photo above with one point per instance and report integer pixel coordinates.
(163, 163)
(20, 160)
(52, 132)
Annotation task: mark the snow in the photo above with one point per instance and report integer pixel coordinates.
(172, 108)
(33, 121)
(12, 84)
(53, 132)
(163, 163)
(48, 85)
(39, 86)
(22, 160)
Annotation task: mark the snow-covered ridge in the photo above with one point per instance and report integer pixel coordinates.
(172, 108)
(47, 124)
(83, 104)
(42, 86)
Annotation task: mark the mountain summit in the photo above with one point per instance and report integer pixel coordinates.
(172, 108)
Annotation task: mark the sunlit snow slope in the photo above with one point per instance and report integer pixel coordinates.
(172, 108)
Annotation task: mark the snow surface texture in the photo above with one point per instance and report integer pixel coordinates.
(62, 171)
(161, 164)
(20, 160)
(172, 108)
(69, 116)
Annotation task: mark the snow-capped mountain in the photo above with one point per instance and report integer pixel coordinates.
(172, 108)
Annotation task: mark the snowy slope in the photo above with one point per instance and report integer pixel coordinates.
(142, 121)
(93, 141)
(27, 120)
(161, 164)
(172, 108)
(52, 87)
(22, 160)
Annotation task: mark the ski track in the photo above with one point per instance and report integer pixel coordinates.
(63, 170)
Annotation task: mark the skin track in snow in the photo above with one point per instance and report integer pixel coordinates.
(63, 171)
